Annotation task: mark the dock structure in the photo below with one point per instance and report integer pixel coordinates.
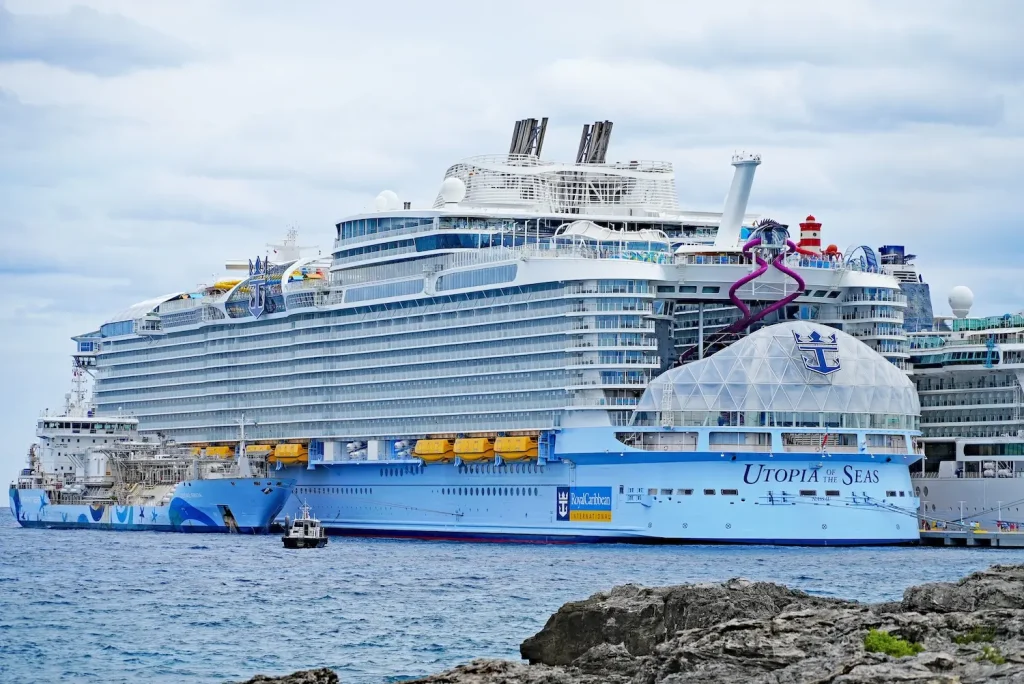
(960, 537)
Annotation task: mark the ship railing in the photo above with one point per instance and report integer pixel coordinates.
(394, 251)
(387, 234)
(744, 448)
(307, 284)
(886, 315)
(842, 449)
(882, 299)
(603, 402)
(610, 327)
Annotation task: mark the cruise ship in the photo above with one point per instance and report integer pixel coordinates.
(551, 352)
(968, 375)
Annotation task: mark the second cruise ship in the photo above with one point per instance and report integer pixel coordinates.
(551, 352)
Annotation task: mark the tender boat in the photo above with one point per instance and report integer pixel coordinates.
(305, 532)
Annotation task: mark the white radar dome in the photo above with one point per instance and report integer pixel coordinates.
(380, 203)
(391, 198)
(960, 300)
(453, 190)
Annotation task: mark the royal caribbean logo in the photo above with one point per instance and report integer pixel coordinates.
(583, 504)
(821, 353)
(258, 274)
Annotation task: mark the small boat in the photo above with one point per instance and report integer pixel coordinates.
(305, 532)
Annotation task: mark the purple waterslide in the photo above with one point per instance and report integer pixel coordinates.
(747, 319)
(753, 275)
(777, 262)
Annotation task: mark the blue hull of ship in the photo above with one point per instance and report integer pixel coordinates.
(613, 493)
(246, 506)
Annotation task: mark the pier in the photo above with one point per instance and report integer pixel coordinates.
(992, 538)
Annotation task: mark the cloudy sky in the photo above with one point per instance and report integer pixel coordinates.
(142, 144)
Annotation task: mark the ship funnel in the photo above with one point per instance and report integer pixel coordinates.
(736, 203)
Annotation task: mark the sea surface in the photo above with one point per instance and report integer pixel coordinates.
(156, 607)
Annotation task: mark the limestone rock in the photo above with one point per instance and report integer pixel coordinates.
(971, 631)
(319, 676)
(770, 634)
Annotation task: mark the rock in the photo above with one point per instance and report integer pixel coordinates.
(770, 634)
(997, 587)
(320, 676)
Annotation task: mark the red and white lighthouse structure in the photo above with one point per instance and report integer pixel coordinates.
(810, 235)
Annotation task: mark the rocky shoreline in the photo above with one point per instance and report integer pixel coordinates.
(741, 631)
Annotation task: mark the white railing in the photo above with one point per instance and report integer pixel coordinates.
(879, 299)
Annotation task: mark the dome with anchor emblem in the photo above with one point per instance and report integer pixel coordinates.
(793, 373)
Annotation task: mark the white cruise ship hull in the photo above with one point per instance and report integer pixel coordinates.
(983, 500)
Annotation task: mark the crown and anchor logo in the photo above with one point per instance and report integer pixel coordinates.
(259, 273)
(563, 503)
(821, 352)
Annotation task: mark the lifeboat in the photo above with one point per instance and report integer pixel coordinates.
(434, 450)
(290, 454)
(260, 450)
(519, 448)
(474, 449)
(220, 452)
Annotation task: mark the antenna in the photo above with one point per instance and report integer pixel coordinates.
(594, 143)
(289, 249)
(528, 137)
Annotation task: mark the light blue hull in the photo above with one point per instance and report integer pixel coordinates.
(230, 505)
(652, 497)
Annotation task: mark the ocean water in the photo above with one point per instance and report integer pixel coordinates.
(139, 606)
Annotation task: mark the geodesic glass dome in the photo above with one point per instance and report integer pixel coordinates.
(793, 373)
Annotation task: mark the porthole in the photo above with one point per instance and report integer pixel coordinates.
(825, 527)
(685, 525)
(728, 526)
(926, 494)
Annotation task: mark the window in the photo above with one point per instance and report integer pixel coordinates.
(709, 492)
(901, 492)
(808, 492)
(666, 492)
(652, 492)
(890, 492)
(710, 289)
(832, 492)
(477, 277)
(730, 492)
(684, 492)
(395, 289)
